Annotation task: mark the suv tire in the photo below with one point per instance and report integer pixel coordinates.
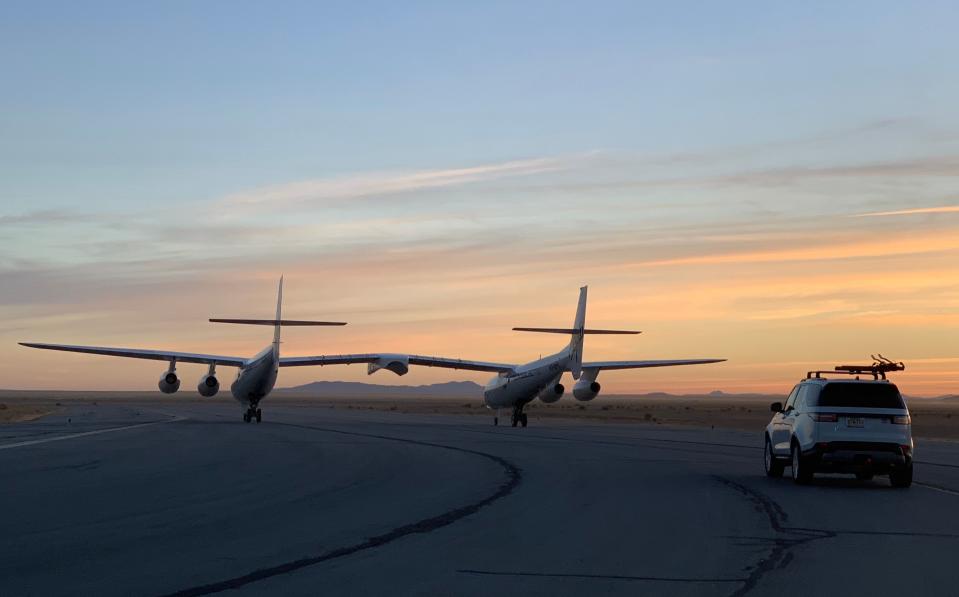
(802, 471)
(774, 466)
(901, 478)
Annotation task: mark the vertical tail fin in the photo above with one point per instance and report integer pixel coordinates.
(580, 322)
(577, 332)
(279, 307)
(579, 329)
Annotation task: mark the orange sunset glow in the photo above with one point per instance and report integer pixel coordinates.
(445, 263)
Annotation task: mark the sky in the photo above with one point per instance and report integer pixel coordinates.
(773, 183)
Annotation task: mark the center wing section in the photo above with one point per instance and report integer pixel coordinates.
(599, 365)
(395, 362)
(136, 353)
(426, 361)
(330, 359)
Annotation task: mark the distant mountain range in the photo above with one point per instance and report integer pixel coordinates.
(451, 389)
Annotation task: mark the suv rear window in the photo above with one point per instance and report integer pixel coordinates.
(860, 395)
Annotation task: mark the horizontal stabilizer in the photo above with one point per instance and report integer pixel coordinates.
(282, 322)
(600, 365)
(572, 331)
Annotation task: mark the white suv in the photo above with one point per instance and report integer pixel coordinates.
(841, 426)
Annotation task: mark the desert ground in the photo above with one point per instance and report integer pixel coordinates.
(932, 418)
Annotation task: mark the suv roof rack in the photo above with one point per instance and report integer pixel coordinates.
(880, 366)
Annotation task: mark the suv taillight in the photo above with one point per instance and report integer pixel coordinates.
(902, 420)
(824, 417)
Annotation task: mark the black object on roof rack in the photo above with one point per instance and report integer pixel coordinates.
(880, 366)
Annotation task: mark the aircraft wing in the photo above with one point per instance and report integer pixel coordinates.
(135, 353)
(598, 365)
(426, 361)
(412, 359)
(330, 359)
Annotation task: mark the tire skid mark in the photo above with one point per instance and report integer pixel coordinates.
(514, 476)
(786, 538)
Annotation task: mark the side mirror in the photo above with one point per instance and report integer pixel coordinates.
(776, 407)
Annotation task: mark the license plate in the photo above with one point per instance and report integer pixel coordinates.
(855, 422)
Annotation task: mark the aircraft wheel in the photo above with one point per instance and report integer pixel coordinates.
(515, 421)
(246, 417)
(259, 415)
(495, 421)
(524, 419)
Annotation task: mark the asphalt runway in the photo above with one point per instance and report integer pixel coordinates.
(186, 499)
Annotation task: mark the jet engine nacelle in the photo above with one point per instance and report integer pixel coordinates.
(397, 363)
(585, 390)
(169, 382)
(208, 386)
(552, 393)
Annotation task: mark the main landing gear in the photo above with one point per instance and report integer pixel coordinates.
(518, 418)
(252, 413)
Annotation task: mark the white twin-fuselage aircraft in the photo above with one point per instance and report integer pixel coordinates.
(514, 386)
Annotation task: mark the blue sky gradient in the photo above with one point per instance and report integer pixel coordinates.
(185, 101)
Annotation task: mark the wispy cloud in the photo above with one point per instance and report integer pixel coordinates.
(884, 247)
(39, 217)
(373, 184)
(943, 209)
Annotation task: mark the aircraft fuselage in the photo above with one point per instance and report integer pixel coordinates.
(526, 382)
(255, 380)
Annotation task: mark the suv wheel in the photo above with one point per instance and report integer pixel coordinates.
(901, 478)
(774, 466)
(801, 467)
